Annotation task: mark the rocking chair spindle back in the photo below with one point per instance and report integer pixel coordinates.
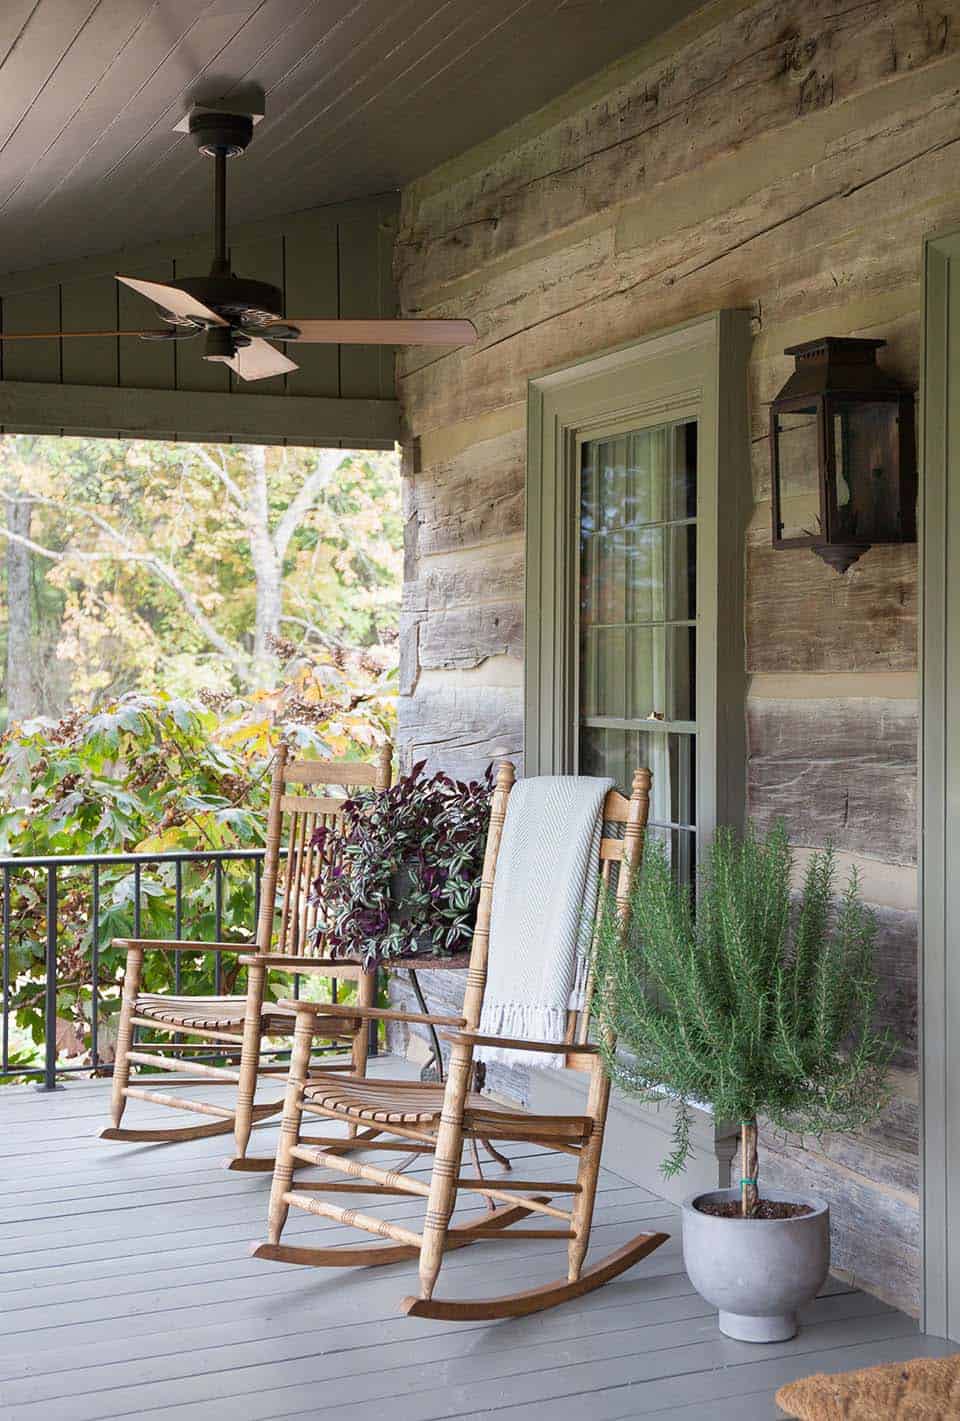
(305, 812)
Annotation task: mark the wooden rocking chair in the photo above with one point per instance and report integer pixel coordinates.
(237, 1025)
(437, 1120)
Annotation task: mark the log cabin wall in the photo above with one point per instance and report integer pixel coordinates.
(787, 157)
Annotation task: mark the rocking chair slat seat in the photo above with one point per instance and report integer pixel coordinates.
(227, 1013)
(387, 1102)
(419, 1104)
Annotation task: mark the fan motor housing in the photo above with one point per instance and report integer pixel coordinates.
(227, 133)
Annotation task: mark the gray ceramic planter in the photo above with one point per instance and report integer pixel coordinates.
(757, 1272)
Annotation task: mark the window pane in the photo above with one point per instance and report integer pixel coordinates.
(798, 462)
(638, 673)
(669, 758)
(639, 575)
(646, 477)
(681, 847)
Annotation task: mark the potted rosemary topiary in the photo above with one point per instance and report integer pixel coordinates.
(745, 1001)
(406, 878)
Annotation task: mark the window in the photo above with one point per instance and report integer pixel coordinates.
(637, 619)
(635, 652)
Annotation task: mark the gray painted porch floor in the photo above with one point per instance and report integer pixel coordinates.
(126, 1291)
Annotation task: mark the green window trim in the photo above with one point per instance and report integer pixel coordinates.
(694, 371)
(940, 779)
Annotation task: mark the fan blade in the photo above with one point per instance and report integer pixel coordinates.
(73, 335)
(383, 332)
(170, 298)
(258, 360)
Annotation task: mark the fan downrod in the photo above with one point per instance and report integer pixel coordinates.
(221, 135)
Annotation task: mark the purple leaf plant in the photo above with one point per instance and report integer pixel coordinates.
(401, 877)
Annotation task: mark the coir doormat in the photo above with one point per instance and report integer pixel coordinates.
(927, 1389)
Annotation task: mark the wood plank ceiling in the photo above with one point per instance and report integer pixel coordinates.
(362, 96)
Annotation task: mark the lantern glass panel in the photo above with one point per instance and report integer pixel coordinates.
(798, 468)
(866, 450)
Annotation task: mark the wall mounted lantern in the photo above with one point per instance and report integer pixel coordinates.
(843, 454)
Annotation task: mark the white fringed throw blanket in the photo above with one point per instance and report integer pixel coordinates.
(544, 904)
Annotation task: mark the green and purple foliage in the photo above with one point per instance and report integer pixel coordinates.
(406, 879)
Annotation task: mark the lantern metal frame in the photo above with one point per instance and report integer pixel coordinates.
(831, 373)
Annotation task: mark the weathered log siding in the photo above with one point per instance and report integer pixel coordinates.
(786, 156)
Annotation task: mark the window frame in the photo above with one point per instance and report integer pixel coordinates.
(696, 370)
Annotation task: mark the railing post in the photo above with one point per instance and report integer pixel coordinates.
(177, 923)
(257, 879)
(136, 898)
(50, 987)
(218, 924)
(6, 968)
(95, 972)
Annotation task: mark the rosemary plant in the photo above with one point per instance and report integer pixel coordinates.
(743, 999)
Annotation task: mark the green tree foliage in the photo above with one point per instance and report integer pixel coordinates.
(175, 567)
(742, 999)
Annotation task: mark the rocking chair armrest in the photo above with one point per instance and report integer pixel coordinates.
(343, 968)
(370, 1013)
(514, 1043)
(168, 945)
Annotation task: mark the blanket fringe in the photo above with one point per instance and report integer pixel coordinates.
(531, 1023)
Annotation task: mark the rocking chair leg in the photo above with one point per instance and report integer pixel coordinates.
(289, 1129)
(249, 1058)
(359, 1051)
(121, 1066)
(588, 1172)
(446, 1169)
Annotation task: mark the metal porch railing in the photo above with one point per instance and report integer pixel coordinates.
(42, 881)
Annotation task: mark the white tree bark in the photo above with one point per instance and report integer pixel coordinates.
(21, 693)
(269, 545)
(267, 566)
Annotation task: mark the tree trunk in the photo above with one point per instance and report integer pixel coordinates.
(21, 690)
(749, 1164)
(267, 622)
(267, 568)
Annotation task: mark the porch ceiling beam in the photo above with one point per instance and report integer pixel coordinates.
(35, 406)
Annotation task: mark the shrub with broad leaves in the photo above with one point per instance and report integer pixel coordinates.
(153, 774)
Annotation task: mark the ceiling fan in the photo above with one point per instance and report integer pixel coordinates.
(239, 318)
